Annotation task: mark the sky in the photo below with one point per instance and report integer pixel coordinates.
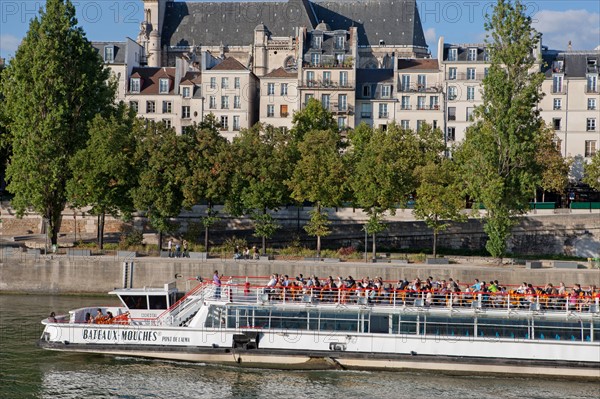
(461, 21)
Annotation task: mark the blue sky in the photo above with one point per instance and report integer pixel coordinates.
(459, 21)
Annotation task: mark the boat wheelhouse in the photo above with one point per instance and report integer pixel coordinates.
(250, 324)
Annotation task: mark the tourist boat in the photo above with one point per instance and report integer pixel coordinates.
(245, 324)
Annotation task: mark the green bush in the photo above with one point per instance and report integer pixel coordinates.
(130, 237)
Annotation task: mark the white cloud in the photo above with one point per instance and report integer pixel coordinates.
(9, 44)
(581, 27)
(431, 36)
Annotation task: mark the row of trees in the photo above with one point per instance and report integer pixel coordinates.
(67, 143)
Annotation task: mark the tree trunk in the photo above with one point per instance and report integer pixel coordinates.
(160, 240)
(264, 245)
(206, 238)
(54, 221)
(374, 248)
(434, 243)
(101, 218)
(318, 247)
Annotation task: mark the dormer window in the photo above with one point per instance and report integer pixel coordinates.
(163, 86)
(486, 55)
(386, 91)
(109, 54)
(317, 41)
(186, 91)
(134, 85)
(339, 42)
(452, 54)
(472, 55)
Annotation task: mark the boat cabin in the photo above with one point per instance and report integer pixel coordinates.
(148, 302)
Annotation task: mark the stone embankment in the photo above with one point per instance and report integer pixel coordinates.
(63, 274)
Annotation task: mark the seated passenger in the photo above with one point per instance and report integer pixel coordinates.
(52, 317)
(99, 317)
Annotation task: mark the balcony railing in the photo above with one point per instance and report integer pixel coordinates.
(591, 90)
(384, 114)
(451, 117)
(465, 76)
(326, 85)
(365, 115)
(341, 109)
(405, 107)
(418, 88)
(428, 107)
(559, 90)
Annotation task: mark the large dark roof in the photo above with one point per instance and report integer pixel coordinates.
(396, 22)
(119, 50)
(231, 23)
(576, 64)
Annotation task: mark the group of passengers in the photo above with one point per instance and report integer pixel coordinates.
(100, 317)
(430, 292)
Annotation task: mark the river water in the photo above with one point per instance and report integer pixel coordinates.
(29, 372)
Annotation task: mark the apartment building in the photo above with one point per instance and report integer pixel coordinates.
(279, 97)
(375, 97)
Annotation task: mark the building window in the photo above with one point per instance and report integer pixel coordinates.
(327, 78)
(185, 112)
(134, 105)
(367, 91)
(341, 123)
(405, 83)
(224, 102)
(283, 110)
(270, 110)
(134, 85)
(325, 100)
(590, 148)
(224, 122)
(556, 122)
(452, 74)
(405, 124)
(317, 40)
(284, 89)
(163, 86)
(307, 97)
(386, 91)
(342, 102)
(421, 82)
(236, 122)
(592, 84)
(224, 83)
(365, 111)
(109, 53)
(343, 79)
(421, 102)
(451, 93)
(557, 103)
(486, 54)
(451, 113)
(452, 54)
(213, 82)
(167, 107)
(212, 102)
(470, 93)
(470, 73)
(185, 91)
(434, 102)
(470, 113)
(591, 103)
(486, 72)
(236, 102)
(339, 42)
(451, 133)
(420, 124)
(383, 110)
(271, 89)
(557, 84)
(150, 107)
(236, 83)
(167, 123)
(405, 103)
(591, 124)
(310, 78)
(472, 56)
(315, 59)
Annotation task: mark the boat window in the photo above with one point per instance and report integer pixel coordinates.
(288, 319)
(561, 330)
(313, 319)
(261, 318)
(448, 326)
(158, 301)
(339, 321)
(503, 328)
(405, 324)
(215, 317)
(379, 324)
(596, 332)
(135, 301)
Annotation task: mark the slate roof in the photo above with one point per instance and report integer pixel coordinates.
(281, 73)
(373, 78)
(396, 22)
(420, 64)
(119, 50)
(463, 52)
(231, 23)
(575, 63)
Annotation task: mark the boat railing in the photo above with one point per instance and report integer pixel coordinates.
(247, 293)
(186, 307)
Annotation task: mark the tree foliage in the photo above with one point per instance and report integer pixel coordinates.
(53, 87)
(498, 155)
(592, 172)
(312, 117)
(104, 172)
(554, 167)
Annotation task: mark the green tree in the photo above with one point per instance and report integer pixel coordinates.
(555, 167)
(592, 172)
(498, 155)
(312, 117)
(319, 177)
(163, 167)
(209, 163)
(262, 161)
(439, 197)
(383, 172)
(104, 171)
(53, 87)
